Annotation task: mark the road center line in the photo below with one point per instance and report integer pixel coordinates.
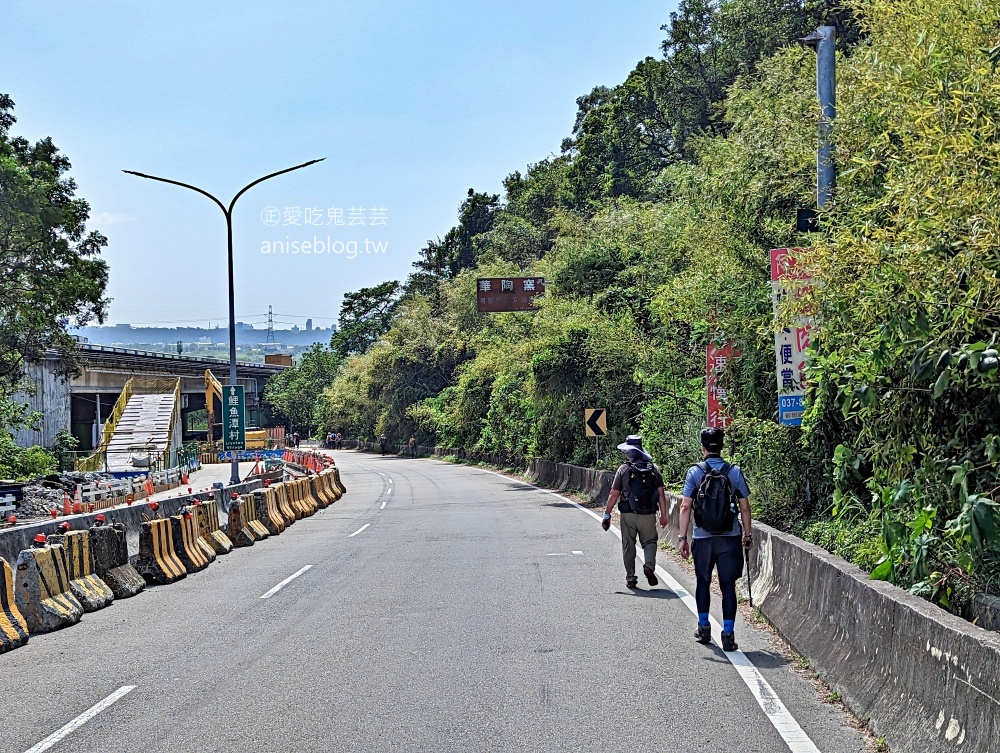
(384, 503)
(359, 530)
(85, 717)
(780, 717)
(285, 582)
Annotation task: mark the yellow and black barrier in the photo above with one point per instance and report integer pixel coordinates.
(319, 492)
(158, 562)
(284, 493)
(92, 592)
(291, 501)
(110, 550)
(331, 486)
(312, 493)
(236, 525)
(184, 529)
(326, 480)
(305, 499)
(13, 626)
(250, 519)
(208, 528)
(266, 514)
(42, 590)
(340, 484)
(278, 499)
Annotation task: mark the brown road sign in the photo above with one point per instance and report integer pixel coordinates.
(508, 293)
(596, 421)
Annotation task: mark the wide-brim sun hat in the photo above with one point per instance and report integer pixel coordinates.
(633, 445)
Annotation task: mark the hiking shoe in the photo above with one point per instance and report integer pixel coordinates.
(650, 575)
(729, 642)
(631, 582)
(703, 634)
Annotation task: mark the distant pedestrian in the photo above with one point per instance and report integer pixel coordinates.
(413, 446)
(381, 443)
(638, 491)
(340, 440)
(295, 440)
(719, 496)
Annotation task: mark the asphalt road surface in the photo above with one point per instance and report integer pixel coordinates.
(444, 608)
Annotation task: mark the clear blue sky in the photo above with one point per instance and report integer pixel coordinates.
(411, 103)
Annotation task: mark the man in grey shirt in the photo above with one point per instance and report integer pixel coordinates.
(637, 489)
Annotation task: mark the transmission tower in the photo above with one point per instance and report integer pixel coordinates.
(270, 326)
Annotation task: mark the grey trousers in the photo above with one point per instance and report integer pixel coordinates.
(643, 526)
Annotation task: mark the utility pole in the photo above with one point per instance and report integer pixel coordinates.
(824, 42)
(228, 212)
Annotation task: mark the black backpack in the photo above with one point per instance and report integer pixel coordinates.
(641, 489)
(715, 501)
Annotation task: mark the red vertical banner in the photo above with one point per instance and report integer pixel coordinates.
(717, 357)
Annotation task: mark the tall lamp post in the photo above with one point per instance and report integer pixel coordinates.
(235, 474)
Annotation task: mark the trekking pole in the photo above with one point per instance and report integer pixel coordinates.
(746, 557)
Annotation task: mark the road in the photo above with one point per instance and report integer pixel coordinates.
(445, 609)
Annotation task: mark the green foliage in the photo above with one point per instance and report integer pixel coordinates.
(365, 315)
(293, 393)
(23, 463)
(652, 230)
(50, 276)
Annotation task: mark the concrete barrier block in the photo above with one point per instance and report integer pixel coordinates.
(236, 528)
(110, 550)
(183, 529)
(157, 561)
(208, 528)
(250, 518)
(13, 626)
(92, 592)
(42, 590)
(264, 514)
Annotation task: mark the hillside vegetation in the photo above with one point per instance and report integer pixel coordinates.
(652, 227)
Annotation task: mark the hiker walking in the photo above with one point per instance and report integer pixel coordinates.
(718, 495)
(381, 443)
(413, 446)
(638, 490)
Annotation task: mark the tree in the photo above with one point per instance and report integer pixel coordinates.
(50, 276)
(294, 392)
(365, 315)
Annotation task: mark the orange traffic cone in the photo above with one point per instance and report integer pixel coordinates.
(78, 500)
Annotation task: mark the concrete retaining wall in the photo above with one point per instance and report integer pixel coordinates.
(14, 540)
(926, 680)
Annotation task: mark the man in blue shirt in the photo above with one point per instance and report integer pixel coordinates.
(716, 551)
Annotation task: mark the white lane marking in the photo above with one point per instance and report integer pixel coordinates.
(576, 552)
(384, 503)
(85, 717)
(359, 530)
(780, 717)
(556, 554)
(285, 582)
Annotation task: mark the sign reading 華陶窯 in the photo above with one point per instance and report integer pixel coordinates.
(234, 423)
(508, 293)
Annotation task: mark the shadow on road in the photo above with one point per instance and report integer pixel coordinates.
(653, 593)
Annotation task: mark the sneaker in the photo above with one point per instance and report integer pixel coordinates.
(729, 642)
(703, 634)
(650, 575)
(631, 582)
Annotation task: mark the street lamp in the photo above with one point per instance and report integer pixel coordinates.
(235, 475)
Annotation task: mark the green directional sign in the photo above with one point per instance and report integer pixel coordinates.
(234, 418)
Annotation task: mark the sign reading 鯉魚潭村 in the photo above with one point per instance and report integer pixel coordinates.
(234, 422)
(508, 293)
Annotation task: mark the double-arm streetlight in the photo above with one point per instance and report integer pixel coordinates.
(235, 475)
